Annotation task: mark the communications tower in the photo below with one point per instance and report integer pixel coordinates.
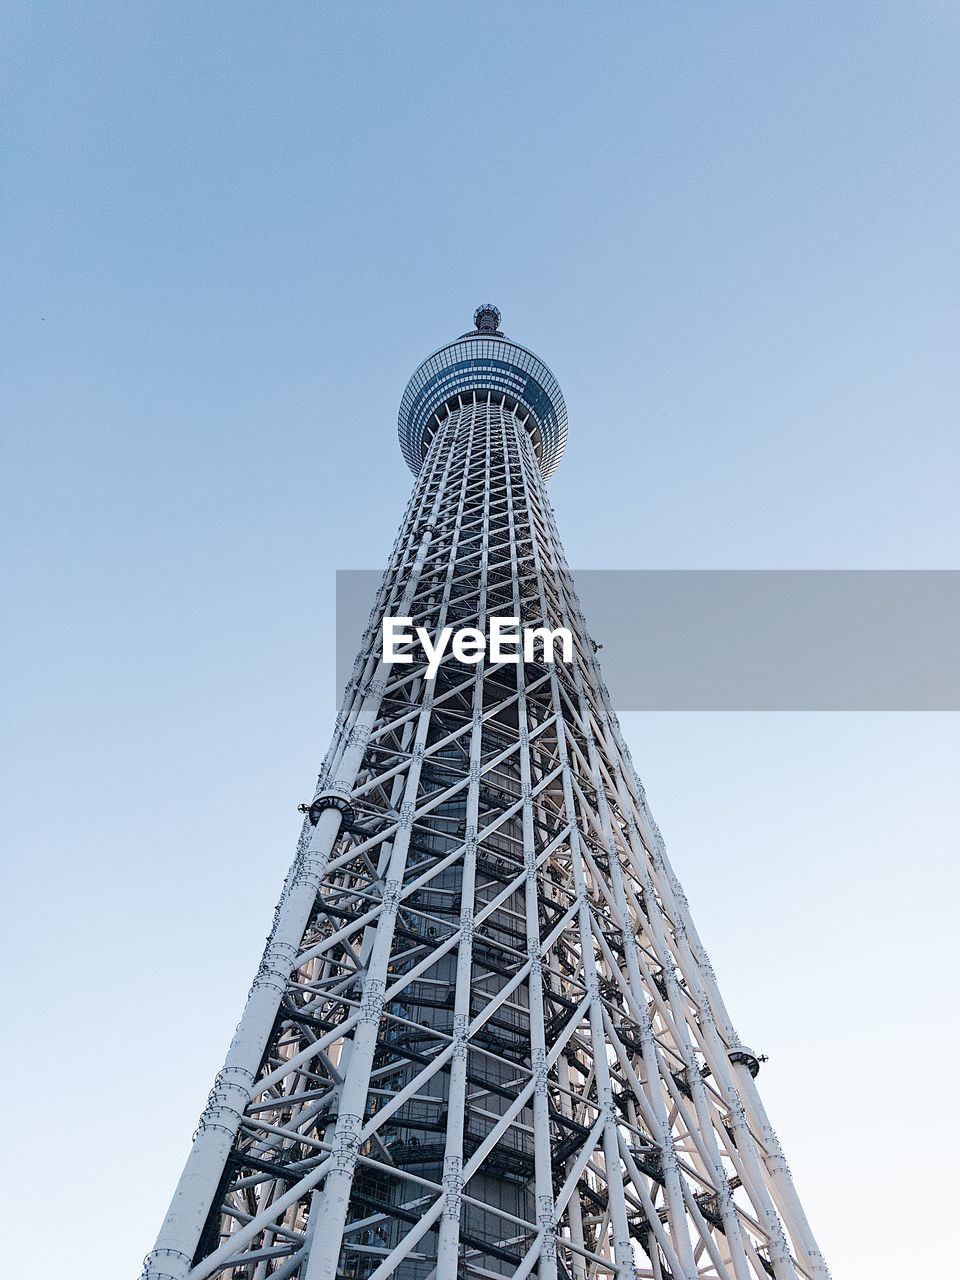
(484, 1039)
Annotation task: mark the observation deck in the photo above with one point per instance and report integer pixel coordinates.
(481, 361)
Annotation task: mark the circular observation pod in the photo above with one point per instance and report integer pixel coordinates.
(484, 361)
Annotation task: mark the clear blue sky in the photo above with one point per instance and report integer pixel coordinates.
(231, 231)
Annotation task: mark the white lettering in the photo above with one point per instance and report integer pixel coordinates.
(547, 640)
(436, 651)
(469, 645)
(393, 635)
(500, 635)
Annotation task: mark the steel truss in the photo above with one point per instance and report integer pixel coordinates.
(484, 1039)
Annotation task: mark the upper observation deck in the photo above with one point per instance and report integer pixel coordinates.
(484, 360)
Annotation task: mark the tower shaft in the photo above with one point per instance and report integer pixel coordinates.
(484, 1039)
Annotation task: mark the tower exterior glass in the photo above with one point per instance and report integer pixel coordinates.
(484, 1038)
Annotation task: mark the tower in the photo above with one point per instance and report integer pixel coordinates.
(484, 1039)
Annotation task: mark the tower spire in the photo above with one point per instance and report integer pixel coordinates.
(486, 318)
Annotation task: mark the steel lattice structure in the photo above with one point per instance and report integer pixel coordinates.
(484, 1038)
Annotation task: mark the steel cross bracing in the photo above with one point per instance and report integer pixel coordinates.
(484, 1039)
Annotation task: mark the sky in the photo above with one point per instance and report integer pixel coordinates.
(231, 232)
